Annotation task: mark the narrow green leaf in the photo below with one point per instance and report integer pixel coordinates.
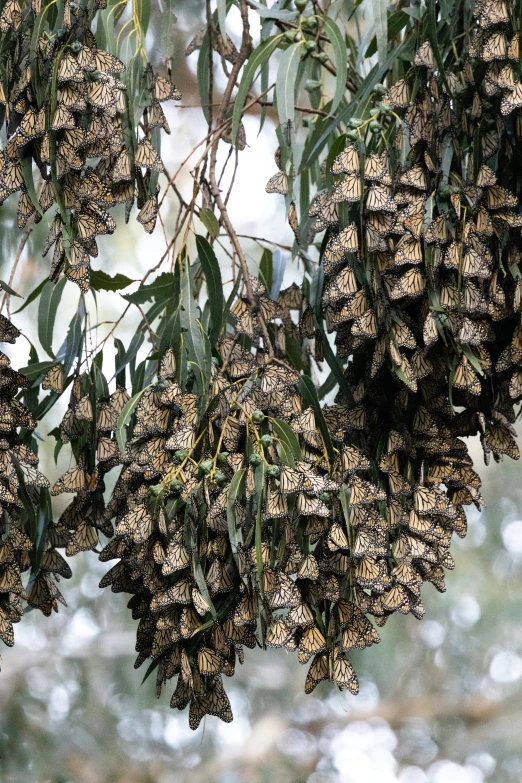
(6, 287)
(311, 399)
(210, 222)
(259, 56)
(101, 281)
(202, 586)
(210, 267)
(286, 82)
(288, 441)
(34, 371)
(71, 346)
(340, 60)
(49, 301)
(273, 13)
(27, 174)
(278, 273)
(35, 293)
(203, 73)
(237, 488)
(124, 419)
(259, 480)
(380, 15)
(222, 17)
(160, 289)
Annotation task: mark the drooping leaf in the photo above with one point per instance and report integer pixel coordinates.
(210, 267)
(48, 307)
(260, 55)
(101, 281)
(286, 80)
(210, 222)
(340, 60)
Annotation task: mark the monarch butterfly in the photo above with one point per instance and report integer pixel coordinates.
(424, 56)
(300, 616)
(500, 198)
(372, 573)
(341, 286)
(352, 459)
(500, 440)
(69, 69)
(277, 633)
(275, 377)
(24, 211)
(73, 97)
(437, 231)
(293, 221)
(483, 224)
(513, 51)
(348, 238)
(337, 538)
(411, 284)
(121, 171)
(396, 600)
(147, 157)
(515, 385)
(6, 629)
(148, 214)
(365, 326)
(310, 506)
(349, 189)
(492, 12)
(107, 449)
(398, 95)
(164, 90)
(408, 251)
(347, 161)
(209, 661)
(495, 47)
(276, 505)
(157, 117)
(278, 183)
(54, 379)
(472, 332)
(380, 200)
(312, 642)
(414, 178)
(213, 702)
(490, 143)
(319, 671)
(73, 480)
(308, 569)
(11, 16)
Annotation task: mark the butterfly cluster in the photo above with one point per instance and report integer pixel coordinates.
(89, 426)
(70, 123)
(24, 508)
(422, 292)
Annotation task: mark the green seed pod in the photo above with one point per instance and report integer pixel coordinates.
(255, 459)
(310, 46)
(273, 471)
(354, 122)
(324, 496)
(375, 127)
(175, 486)
(220, 477)
(267, 440)
(258, 416)
(181, 454)
(205, 466)
(222, 457)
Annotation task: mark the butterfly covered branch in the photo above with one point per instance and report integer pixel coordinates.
(289, 457)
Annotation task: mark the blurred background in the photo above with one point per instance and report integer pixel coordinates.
(440, 699)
